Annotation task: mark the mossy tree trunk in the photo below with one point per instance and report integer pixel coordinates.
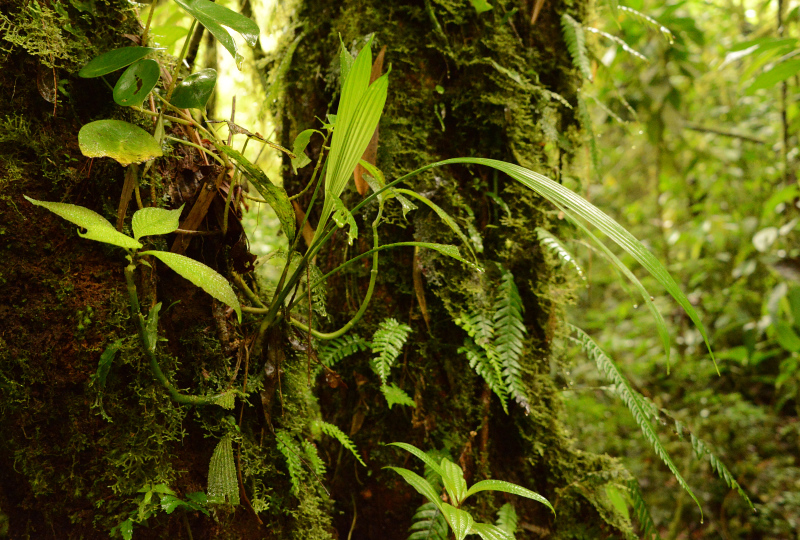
(75, 448)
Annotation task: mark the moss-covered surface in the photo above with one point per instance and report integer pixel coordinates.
(462, 84)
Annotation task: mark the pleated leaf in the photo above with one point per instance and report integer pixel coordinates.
(222, 482)
(490, 532)
(201, 275)
(453, 479)
(459, 520)
(152, 221)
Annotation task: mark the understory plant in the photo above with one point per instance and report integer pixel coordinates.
(494, 336)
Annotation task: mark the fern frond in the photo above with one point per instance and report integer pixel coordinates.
(479, 326)
(333, 431)
(509, 333)
(633, 400)
(554, 244)
(669, 36)
(291, 452)
(586, 121)
(642, 512)
(339, 348)
(222, 479)
(396, 396)
(428, 524)
(387, 343)
(314, 461)
(486, 365)
(623, 45)
(507, 520)
(319, 293)
(576, 44)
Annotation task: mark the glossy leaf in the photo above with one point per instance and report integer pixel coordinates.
(216, 17)
(195, 90)
(118, 140)
(97, 227)
(167, 36)
(490, 532)
(200, 275)
(169, 503)
(459, 520)
(275, 196)
(454, 483)
(481, 6)
(151, 221)
(113, 60)
(422, 486)
(136, 82)
(428, 460)
(508, 487)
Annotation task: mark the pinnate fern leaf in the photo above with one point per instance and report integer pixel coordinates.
(387, 343)
(292, 454)
(576, 45)
(428, 524)
(396, 396)
(509, 333)
(333, 431)
(488, 367)
(663, 30)
(507, 519)
(339, 348)
(642, 412)
(642, 512)
(553, 244)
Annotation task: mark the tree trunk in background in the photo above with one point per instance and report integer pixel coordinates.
(75, 450)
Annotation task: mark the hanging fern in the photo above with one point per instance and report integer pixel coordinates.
(554, 244)
(292, 453)
(669, 36)
(642, 512)
(387, 343)
(479, 326)
(509, 333)
(333, 431)
(428, 524)
(507, 520)
(222, 481)
(335, 350)
(576, 44)
(641, 412)
(487, 366)
(623, 45)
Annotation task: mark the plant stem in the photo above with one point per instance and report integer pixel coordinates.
(180, 61)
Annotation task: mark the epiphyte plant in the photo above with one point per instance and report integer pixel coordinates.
(460, 521)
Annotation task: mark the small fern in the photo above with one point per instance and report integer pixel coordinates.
(333, 431)
(642, 412)
(642, 512)
(509, 331)
(339, 348)
(222, 480)
(292, 453)
(487, 367)
(396, 396)
(387, 343)
(507, 520)
(428, 524)
(554, 244)
(663, 30)
(576, 45)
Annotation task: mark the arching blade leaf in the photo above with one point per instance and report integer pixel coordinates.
(508, 487)
(579, 207)
(214, 17)
(113, 60)
(422, 486)
(202, 276)
(459, 520)
(152, 221)
(195, 90)
(429, 461)
(97, 227)
(119, 140)
(136, 82)
(275, 196)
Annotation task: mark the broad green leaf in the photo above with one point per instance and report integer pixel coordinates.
(113, 60)
(222, 480)
(275, 196)
(459, 520)
(136, 82)
(787, 337)
(195, 90)
(169, 503)
(216, 17)
(202, 276)
(167, 36)
(481, 6)
(126, 529)
(773, 76)
(422, 486)
(508, 487)
(454, 483)
(151, 221)
(490, 532)
(106, 359)
(429, 461)
(119, 140)
(343, 217)
(97, 227)
(299, 149)
(615, 495)
(360, 108)
(579, 207)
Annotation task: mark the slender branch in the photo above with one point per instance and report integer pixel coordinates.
(197, 146)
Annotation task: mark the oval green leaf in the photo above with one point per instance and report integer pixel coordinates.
(113, 60)
(97, 227)
(508, 487)
(152, 221)
(167, 36)
(136, 82)
(200, 275)
(214, 17)
(119, 140)
(195, 90)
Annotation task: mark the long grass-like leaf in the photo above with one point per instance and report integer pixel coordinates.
(633, 401)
